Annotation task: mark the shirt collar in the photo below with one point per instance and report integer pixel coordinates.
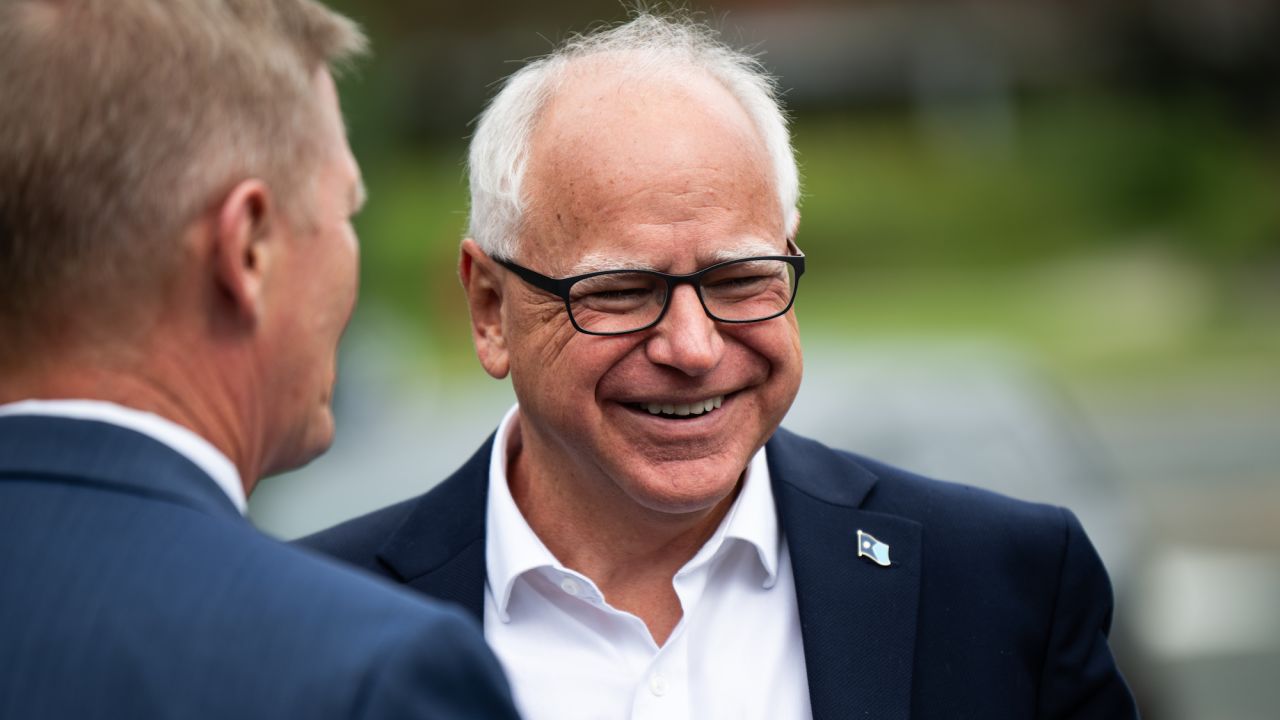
(753, 518)
(199, 451)
(513, 549)
(511, 546)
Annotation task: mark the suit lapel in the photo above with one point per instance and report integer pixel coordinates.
(439, 549)
(857, 618)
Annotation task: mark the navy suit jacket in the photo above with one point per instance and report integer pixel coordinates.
(992, 608)
(130, 587)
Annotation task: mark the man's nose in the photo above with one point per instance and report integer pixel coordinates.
(687, 339)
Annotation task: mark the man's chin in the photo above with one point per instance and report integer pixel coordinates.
(319, 438)
(684, 487)
(314, 441)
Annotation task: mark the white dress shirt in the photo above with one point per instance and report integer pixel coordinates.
(199, 451)
(736, 653)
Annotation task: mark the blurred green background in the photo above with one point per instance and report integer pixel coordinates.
(1087, 192)
(1078, 177)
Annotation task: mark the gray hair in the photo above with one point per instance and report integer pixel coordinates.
(124, 120)
(500, 147)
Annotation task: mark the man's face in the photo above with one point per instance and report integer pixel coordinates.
(311, 305)
(669, 175)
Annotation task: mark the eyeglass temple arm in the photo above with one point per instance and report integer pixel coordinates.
(534, 278)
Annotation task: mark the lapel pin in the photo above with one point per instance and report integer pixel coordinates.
(872, 549)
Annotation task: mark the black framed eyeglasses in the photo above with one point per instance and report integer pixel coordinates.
(616, 302)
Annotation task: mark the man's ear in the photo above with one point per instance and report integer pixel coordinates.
(242, 251)
(482, 282)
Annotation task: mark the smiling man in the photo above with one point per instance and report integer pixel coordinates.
(639, 537)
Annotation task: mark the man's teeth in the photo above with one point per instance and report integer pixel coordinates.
(684, 409)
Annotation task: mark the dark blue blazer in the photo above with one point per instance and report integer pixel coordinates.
(130, 587)
(992, 608)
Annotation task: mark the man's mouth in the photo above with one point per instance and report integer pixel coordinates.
(682, 410)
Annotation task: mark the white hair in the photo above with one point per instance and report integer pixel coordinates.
(500, 147)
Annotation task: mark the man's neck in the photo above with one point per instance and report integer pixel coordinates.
(632, 553)
(94, 379)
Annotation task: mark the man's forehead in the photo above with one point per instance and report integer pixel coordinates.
(657, 173)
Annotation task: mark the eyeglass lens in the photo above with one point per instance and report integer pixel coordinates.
(744, 291)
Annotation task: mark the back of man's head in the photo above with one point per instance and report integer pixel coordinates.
(124, 120)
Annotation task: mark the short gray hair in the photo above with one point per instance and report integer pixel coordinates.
(500, 147)
(124, 120)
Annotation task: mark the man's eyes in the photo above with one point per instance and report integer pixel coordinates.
(738, 281)
(619, 293)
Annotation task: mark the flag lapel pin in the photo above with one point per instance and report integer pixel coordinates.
(872, 549)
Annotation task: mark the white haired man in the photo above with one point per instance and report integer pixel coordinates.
(639, 537)
(178, 264)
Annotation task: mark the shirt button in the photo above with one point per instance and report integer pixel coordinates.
(658, 684)
(570, 586)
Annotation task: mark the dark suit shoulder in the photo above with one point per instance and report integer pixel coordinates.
(408, 657)
(162, 610)
(357, 541)
(1029, 564)
(412, 657)
(848, 478)
(949, 503)
(1008, 589)
(418, 535)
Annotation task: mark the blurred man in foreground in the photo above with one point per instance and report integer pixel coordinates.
(177, 265)
(639, 537)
